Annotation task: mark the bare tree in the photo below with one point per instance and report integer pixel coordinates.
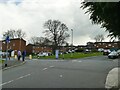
(14, 34)
(20, 34)
(56, 32)
(10, 33)
(99, 38)
(40, 41)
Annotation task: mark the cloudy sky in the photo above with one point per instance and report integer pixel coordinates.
(30, 15)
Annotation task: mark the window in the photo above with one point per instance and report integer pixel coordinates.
(103, 43)
(13, 44)
(33, 51)
(109, 44)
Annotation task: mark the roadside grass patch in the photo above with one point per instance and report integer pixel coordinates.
(69, 56)
(1, 61)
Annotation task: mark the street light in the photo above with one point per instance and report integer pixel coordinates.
(71, 42)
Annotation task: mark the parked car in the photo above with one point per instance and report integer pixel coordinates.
(106, 52)
(113, 55)
(118, 51)
(100, 49)
(43, 54)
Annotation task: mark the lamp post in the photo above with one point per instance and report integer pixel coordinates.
(71, 42)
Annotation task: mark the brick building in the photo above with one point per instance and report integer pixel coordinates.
(30, 48)
(107, 45)
(14, 44)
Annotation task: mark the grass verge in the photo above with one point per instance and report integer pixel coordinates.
(1, 61)
(69, 56)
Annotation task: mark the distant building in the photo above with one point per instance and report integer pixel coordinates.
(90, 45)
(107, 45)
(30, 48)
(14, 44)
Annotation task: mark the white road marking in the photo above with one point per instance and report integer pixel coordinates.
(74, 60)
(79, 61)
(61, 76)
(6, 82)
(15, 79)
(23, 76)
(44, 68)
(52, 66)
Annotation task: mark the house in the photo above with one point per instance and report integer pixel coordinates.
(31, 48)
(90, 45)
(107, 45)
(14, 44)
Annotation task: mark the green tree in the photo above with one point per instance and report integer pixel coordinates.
(105, 13)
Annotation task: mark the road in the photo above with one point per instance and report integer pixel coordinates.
(79, 73)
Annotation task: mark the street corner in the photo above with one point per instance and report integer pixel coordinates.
(14, 65)
(112, 80)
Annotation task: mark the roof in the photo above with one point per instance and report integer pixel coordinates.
(14, 39)
(107, 42)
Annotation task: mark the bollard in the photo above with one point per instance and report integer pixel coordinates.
(30, 57)
(15, 56)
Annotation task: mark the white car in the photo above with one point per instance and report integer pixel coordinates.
(113, 55)
(43, 54)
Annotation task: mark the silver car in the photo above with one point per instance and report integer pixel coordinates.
(113, 55)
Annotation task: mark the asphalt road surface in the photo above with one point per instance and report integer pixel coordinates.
(78, 73)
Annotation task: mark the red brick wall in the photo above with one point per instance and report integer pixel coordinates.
(29, 49)
(14, 44)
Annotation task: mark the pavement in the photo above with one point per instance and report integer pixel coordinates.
(12, 63)
(113, 79)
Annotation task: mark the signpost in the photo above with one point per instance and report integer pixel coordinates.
(7, 41)
(57, 54)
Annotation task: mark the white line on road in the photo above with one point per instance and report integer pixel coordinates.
(15, 79)
(6, 82)
(23, 76)
(52, 66)
(61, 76)
(44, 68)
(74, 60)
(79, 61)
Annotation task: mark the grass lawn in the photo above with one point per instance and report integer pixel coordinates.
(1, 61)
(68, 56)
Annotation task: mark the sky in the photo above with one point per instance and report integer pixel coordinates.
(30, 15)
